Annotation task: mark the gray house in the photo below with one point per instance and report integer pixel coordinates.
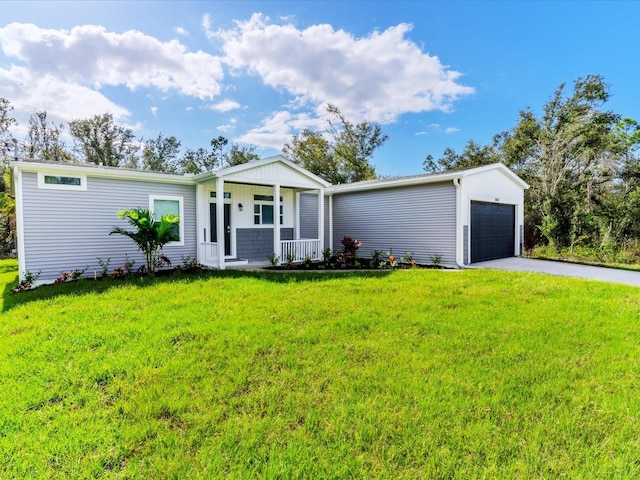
(241, 215)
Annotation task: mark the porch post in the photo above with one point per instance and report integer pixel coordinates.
(320, 221)
(297, 216)
(276, 220)
(220, 221)
(201, 224)
(331, 222)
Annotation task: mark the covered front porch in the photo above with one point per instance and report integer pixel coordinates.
(253, 213)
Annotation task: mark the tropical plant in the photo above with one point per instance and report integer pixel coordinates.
(350, 247)
(151, 234)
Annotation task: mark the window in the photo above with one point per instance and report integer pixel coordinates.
(263, 213)
(226, 194)
(62, 182)
(161, 205)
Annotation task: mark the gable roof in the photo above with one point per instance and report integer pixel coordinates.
(426, 178)
(245, 172)
(252, 172)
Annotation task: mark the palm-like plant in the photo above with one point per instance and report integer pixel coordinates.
(150, 234)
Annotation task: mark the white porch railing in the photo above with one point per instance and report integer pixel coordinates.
(299, 250)
(210, 253)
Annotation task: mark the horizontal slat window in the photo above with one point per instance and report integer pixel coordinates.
(62, 182)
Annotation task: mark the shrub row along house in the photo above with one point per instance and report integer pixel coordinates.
(243, 214)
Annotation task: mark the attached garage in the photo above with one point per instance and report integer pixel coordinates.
(461, 217)
(492, 231)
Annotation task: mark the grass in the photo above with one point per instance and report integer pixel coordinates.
(623, 257)
(410, 374)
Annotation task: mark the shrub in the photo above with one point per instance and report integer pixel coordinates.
(350, 247)
(274, 259)
(435, 260)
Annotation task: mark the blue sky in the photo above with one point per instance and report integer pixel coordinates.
(434, 74)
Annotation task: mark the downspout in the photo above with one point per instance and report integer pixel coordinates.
(459, 229)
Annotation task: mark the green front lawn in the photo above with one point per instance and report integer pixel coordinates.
(406, 374)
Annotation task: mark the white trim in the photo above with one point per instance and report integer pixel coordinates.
(331, 222)
(58, 186)
(220, 233)
(103, 172)
(180, 200)
(276, 218)
(296, 218)
(230, 171)
(457, 182)
(320, 221)
(424, 179)
(18, 191)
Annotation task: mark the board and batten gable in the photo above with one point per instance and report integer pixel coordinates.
(65, 230)
(418, 218)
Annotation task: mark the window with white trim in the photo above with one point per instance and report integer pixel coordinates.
(162, 205)
(263, 213)
(62, 182)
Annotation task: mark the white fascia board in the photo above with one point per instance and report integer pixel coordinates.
(103, 172)
(426, 179)
(398, 182)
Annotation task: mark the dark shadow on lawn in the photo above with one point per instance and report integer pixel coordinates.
(6, 267)
(85, 286)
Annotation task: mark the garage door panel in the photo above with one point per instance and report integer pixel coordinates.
(492, 231)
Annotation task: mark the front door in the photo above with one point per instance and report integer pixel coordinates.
(227, 226)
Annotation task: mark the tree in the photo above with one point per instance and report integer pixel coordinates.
(161, 154)
(7, 204)
(151, 234)
(220, 156)
(343, 153)
(239, 155)
(473, 155)
(44, 139)
(102, 142)
(571, 152)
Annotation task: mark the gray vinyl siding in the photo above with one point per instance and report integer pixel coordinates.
(256, 244)
(308, 216)
(66, 230)
(419, 219)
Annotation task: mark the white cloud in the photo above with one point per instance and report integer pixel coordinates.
(225, 106)
(91, 56)
(279, 128)
(154, 111)
(63, 101)
(378, 77)
(182, 31)
(435, 127)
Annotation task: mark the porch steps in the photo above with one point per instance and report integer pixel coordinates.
(234, 262)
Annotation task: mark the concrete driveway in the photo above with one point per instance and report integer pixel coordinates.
(519, 264)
